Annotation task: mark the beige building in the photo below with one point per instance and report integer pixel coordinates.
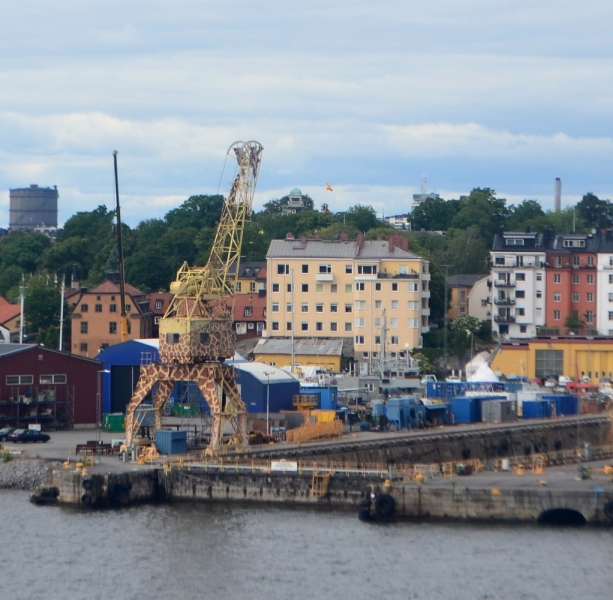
(96, 318)
(374, 291)
(460, 287)
(480, 300)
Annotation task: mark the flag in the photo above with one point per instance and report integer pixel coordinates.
(329, 187)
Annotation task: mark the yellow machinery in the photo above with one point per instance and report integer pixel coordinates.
(197, 333)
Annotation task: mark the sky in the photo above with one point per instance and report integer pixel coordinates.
(366, 96)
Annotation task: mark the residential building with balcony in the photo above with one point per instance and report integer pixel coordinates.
(375, 292)
(604, 283)
(518, 284)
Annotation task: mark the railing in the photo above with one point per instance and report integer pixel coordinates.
(510, 301)
(504, 284)
(504, 318)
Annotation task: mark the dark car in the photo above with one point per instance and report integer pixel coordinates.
(5, 432)
(27, 435)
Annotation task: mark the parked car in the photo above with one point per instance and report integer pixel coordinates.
(4, 432)
(27, 435)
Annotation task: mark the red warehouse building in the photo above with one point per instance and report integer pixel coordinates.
(46, 387)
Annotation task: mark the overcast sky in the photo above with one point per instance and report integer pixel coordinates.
(367, 96)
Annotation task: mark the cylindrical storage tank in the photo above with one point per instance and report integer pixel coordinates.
(33, 207)
(377, 409)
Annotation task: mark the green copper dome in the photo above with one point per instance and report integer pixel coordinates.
(295, 192)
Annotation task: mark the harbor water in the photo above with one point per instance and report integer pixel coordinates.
(185, 550)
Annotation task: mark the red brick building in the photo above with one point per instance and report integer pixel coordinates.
(46, 387)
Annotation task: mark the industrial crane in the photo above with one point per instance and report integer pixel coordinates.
(197, 333)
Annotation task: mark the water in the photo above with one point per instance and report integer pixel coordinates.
(241, 552)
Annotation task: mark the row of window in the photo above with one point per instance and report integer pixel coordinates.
(112, 327)
(29, 379)
(325, 269)
(589, 316)
(575, 297)
(112, 308)
(360, 286)
(358, 304)
(359, 323)
(239, 287)
(589, 278)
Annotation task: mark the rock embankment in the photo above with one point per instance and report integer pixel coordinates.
(23, 473)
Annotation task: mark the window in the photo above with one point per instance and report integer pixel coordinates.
(359, 340)
(403, 270)
(288, 326)
(499, 260)
(360, 304)
(377, 339)
(590, 261)
(333, 326)
(367, 270)
(305, 288)
(333, 288)
(557, 297)
(247, 312)
(252, 286)
(205, 337)
(325, 268)
(84, 326)
(462, 310)
(539, 294)
(348, 288)
(610, 297)
(98, 298)
(360, 322)
(539, 277)
(359, 286)
(19, 379)
(348, 268)
(289, 288)
(83, 346)
(515, 241)
(557, 278)
(304, 326)
(394, 323)
(394, 304)
(238, 286)
(98, 308)
(172, 338)
(589, 279)
(462, 294)
(348, 308)
(319, 307)
(282, 269)
(378, 304)
(159, 304)
(424, 286)
(610, 278)
(288, 307)
(575, 297)
(305, 268)
(377, 287)
(523, 328)
(575, 279)
(156, 320)
(556, 315)
(483, 302)
(521, 312)
(347, 326)
(275, 288)
(113, 327)
(319, 326)
(84, 307)
(274, 307)
(333, 308)
(589, 317)
(319, 288)
(128, 308)
(589, 297)
(395, 287)
(549, 362)
(413, 287)
(304, 307)
(413, 323)
(576, 261)
(113, 308)
(611, 315)
(377, 321)
(394, 340)
(520, 294)
(414, 305)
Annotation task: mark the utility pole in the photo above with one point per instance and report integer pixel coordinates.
(445, 352)
(62, 288)
(22, 291)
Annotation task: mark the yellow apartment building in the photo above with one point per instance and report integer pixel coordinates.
(96, 318)
(570, 356)
(374, 291)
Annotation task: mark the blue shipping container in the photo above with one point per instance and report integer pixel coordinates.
(466, 410)
(536, 409)
(171, 442)
(565, 404)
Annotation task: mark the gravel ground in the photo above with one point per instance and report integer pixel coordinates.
(23, 473)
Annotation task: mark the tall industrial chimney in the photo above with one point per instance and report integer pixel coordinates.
(557, 193)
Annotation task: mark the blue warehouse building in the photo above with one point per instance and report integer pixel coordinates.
(121, 367)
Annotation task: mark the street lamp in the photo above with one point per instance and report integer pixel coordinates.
(268, 374)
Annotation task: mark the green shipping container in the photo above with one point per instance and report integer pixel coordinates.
(114, 422)
(185, 410)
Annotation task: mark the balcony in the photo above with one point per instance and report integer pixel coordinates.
(324, 277)
(386, 275)
(504, 284)
(505, 301)
(504, 318)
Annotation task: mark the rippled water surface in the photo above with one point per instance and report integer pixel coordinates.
(234, 552)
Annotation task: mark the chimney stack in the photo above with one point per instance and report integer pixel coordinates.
(557, 193)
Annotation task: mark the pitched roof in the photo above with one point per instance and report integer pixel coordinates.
(349, 249)
(109, 287)
(464, 280)
(313, 346)
(257, 303)
(8, 312)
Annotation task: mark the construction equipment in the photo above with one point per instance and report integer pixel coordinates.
(197, 333)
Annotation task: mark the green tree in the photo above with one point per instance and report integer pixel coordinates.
(196, 212)
(483, 209)
(42, 310)
(595, 212)
(23, 250)
(466, 323)
(362, 217)
(527, 214)
(434, 214)
(10, 277)
(465, 250)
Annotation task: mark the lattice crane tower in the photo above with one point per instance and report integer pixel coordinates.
(197, 332)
